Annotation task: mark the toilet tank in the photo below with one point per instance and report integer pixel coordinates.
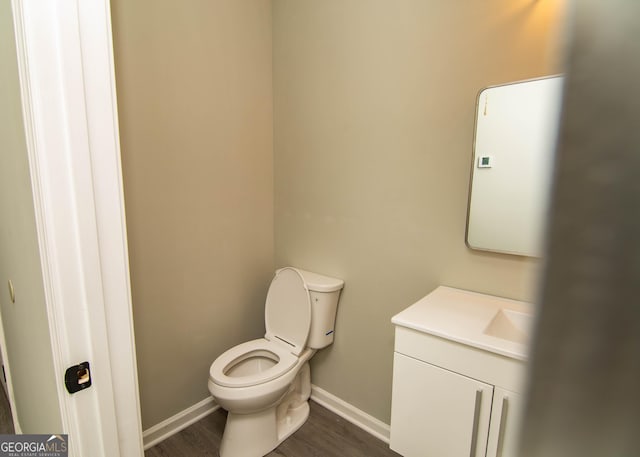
(324, 292)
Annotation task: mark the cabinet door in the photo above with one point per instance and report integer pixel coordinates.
(437, 413)
(505, 424)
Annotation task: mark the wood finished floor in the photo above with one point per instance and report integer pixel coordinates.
(6, 421)
(323, 435)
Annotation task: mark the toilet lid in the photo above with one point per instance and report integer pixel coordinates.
(287, 314)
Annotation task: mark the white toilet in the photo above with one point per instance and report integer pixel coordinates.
(265, 384)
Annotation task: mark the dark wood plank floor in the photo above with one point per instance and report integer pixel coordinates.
(323, 435)
(6, 420)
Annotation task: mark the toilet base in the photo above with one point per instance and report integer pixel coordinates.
(294, 419)
(257, 434)
(249, 435)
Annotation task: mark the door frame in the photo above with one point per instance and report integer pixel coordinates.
(66, 69)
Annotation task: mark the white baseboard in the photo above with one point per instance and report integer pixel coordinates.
(350, 413)
(183, 419)
(177, 422)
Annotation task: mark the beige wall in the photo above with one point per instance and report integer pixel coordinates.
(194, 84)
(374, 104)
(25, 322)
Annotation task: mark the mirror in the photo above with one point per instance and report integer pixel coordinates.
(513, 154)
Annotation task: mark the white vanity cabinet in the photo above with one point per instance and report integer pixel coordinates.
(505, 423)
(455, 393)
(448, 418)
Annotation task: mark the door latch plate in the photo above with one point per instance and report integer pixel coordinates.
(77, 377)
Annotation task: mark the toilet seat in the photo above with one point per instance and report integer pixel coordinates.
(287, 323)
(283, 357)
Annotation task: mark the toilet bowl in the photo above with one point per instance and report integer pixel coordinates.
(265, 384)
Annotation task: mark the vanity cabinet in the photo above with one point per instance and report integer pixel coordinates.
(436, 412)
(505, 423)
(454, 394)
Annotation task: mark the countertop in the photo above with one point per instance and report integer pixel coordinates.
(464, 316)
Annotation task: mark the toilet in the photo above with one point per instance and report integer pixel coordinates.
(265, 384)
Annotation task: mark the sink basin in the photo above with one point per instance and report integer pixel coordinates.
(510, 325)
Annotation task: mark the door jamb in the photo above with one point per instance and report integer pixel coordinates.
(65, 61)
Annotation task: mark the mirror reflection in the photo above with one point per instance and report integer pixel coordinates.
(513, 154)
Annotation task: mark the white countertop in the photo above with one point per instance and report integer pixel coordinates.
(463, 316)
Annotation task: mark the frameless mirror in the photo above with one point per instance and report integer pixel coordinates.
(513, 154)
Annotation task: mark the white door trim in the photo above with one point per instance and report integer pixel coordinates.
(68, 92)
